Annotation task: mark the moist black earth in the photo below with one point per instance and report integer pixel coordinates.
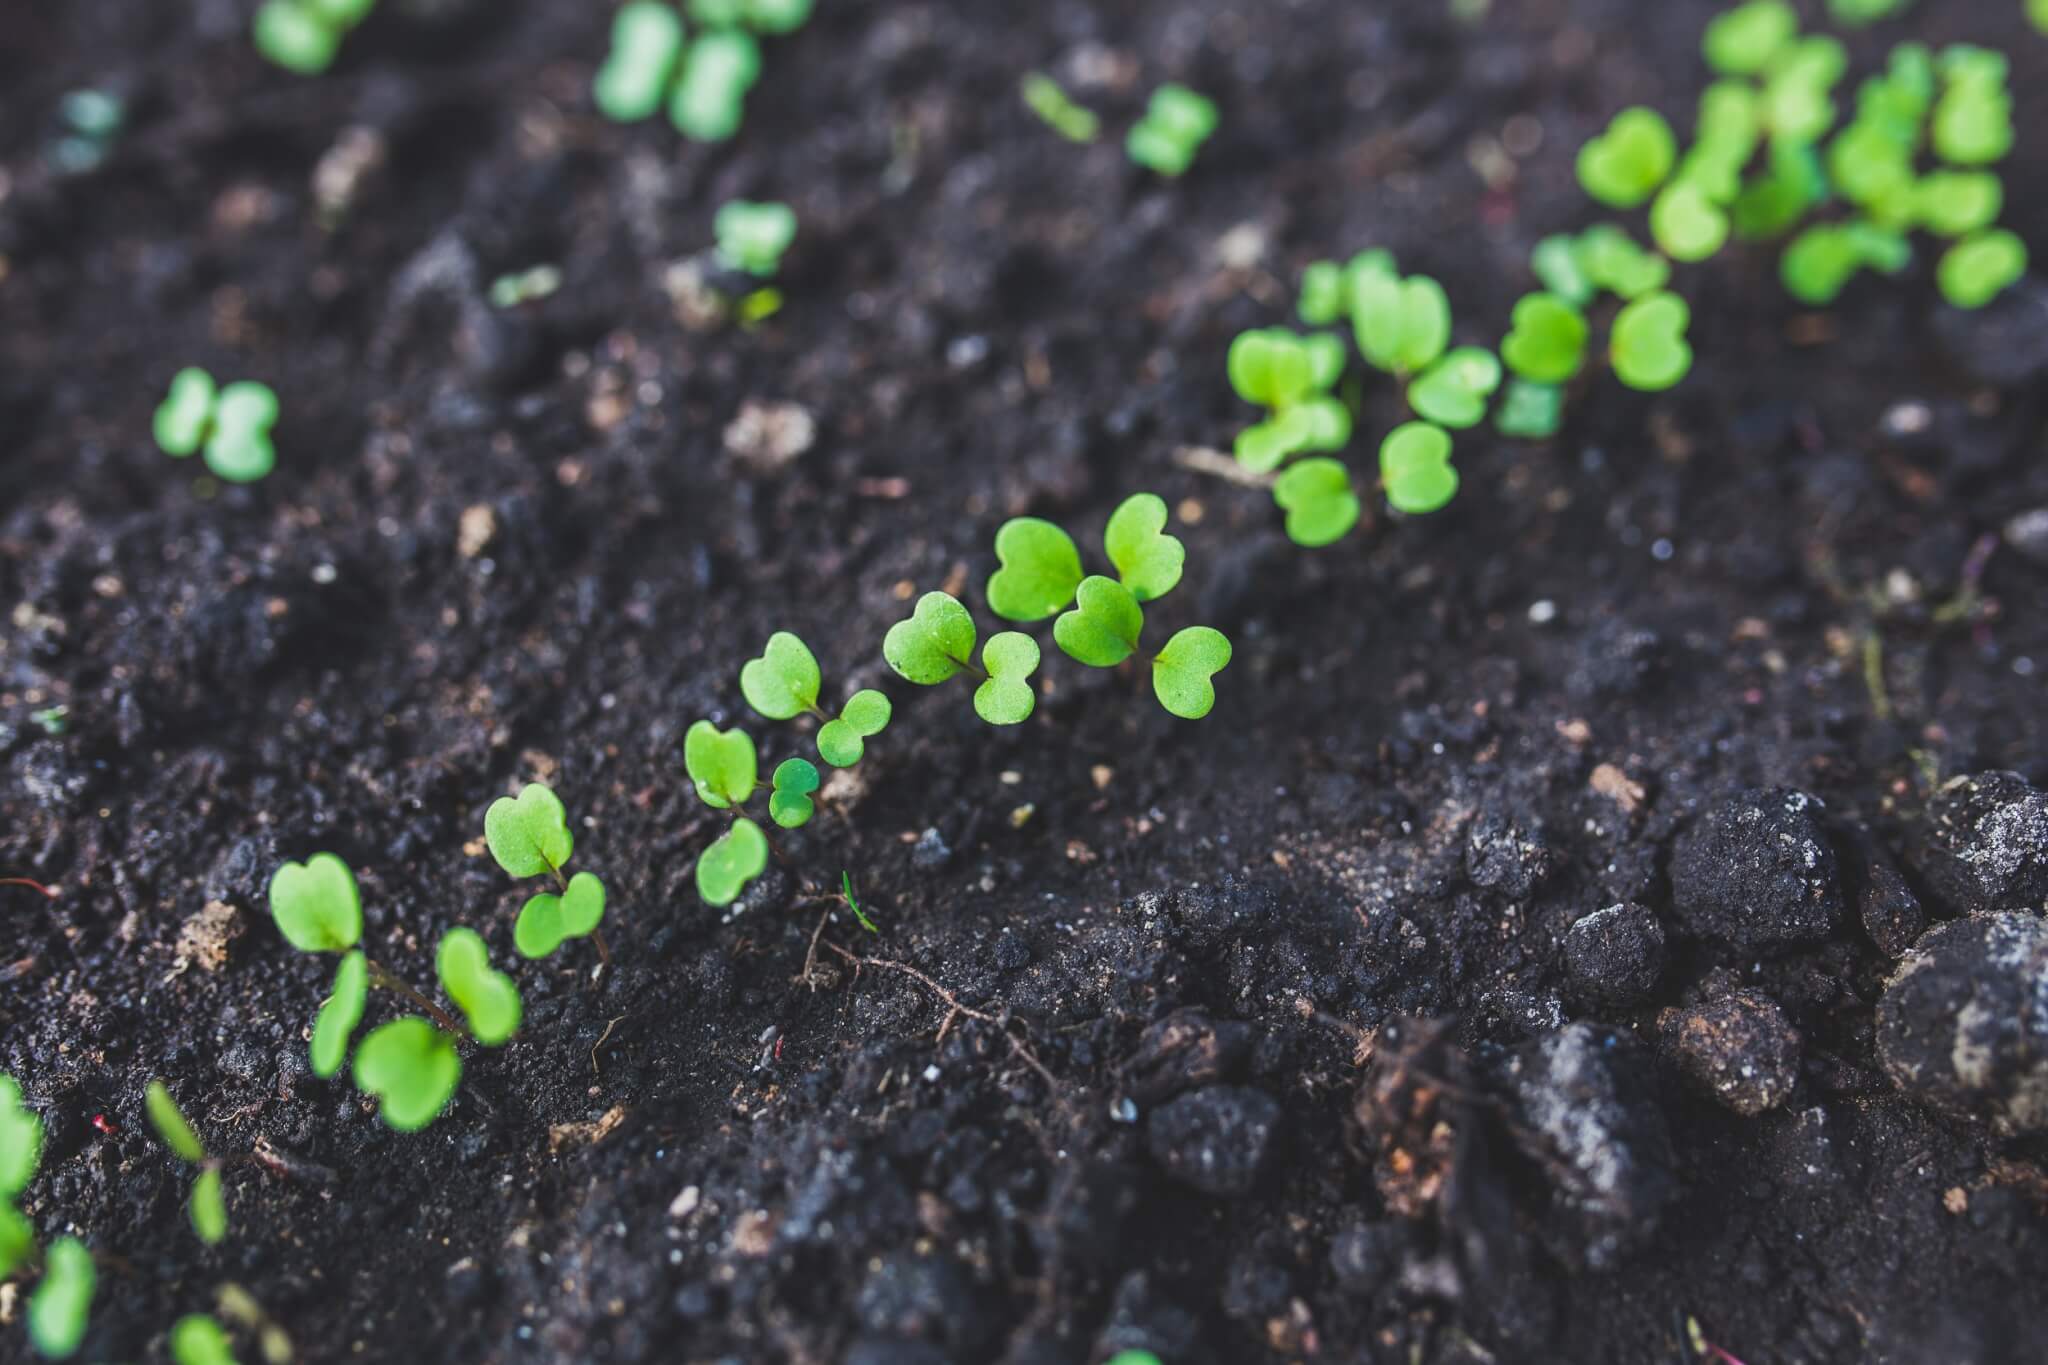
(1283, 1036)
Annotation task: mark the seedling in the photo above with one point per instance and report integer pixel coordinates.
(1821, 261)
(530, 285)
(302, 36)
(21, 1151)
(1972, 123)
(529, 836)
(1856, 13)
(846, 894)
(1454, 391)
(1401, 325)
(487, 997)
(1044, 97)
(1005, 697)
(1547, 344)
(1041, 567)
(723, 767)
(763, 16)
(1957, 203)
(1744, 41)
(1323, 295)
(1177, 122)
(1133, 1358)
(1317, 496)
(1688, 224)
(1798, 105)
(1289, 375)
(1977, 269)
(784, 682)
(752, 237)
(1648, 348)
(1610, 259)
(789, 803)
(198, 1339)
(1101, 629)
(647, 41)
(57, 1309)
(229, 426)
(208, 1208)
(710, 94)
(93, 120)
(412, 1068)
(704, 83)
(61, 1304)
(1623, 166)
(1415, 467)
(1530, 410)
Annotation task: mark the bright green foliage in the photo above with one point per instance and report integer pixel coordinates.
(1744, 41)
(1623, 166)
(1044, 97)
(1102, 629)
(1556, 261)
(1858, 12)
(1973, 119)
(1870, 166)
(1290, 375)
(789, 803)
(1317, 497)
(784, 681)
(734, 859)
(17, 1239)
(1181, 672)
(302, 36)
(1040, 570)
(721, 763)
(846, 894)
(58, 1309)
(529, 834)
(1401, 324)
(208, 1209)
(488, 999)
(1148, 560)
(2037, 12)
(1822, 260)
(647, 42)
(1177, 122)
(934, 644)
(1956, 203)
(230, 427)
(21, 1139)
(841, 740)
(1798, 106)
(1730, 126)
(775, 16)
(1272, 367)
(1687, 224)
(1648, 348)
(1322, 294)
(1009, 659)
(339, 1014)
(1775, 201)
(710, 96)
(548, 919)
(752, 237)
(1134, 1358)
(170, 1124)
(1454, 391)
(1615, 262)
(1530, 410)
(412, 1067)
(196, 1339)
(525, 286)
(1415, 467)
(1978, 268)
(1548, 341)
(186, 412)
(316, 906)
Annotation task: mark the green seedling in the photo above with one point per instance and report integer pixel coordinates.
(734, 859)
(1746, 40)
(208, 1208)
(21, 1152)
(61, 1304)
(530, 285)
(1623, 166)
(412, 1068)
(486, 997)
(722, 765)
(1726, 135)
(1972, 124)
(197, 1339)
(1323, 294)
(1547, 343)
(1454, 391)
(1612, 260)
(1556, 261)
(935, 644)
(1530, 410)
(710, 95)
(647, 43)
(1102, 628)
(303, 36)
(1401, 325)
(1040, 567)
(1320, 504)
(2037, 14)
(229, 426)
(340, 1014)
(1005, 696)
(1148, 561)
(1290, 376)
(1771, 204)
(789, 801)
(1133, 1358)
(1182, 673)
(1798, 103)
(784, 683)
(1873, 169)
(529, 836)
(725, 769)
(1822, 260)
(1957, 203)
(1044, 97)
(846, 894)
(51, 720)
(1415, 468)
(1980, 267)
(1177, 122)
(1648, 349)
(752, 237)
(1687, 223)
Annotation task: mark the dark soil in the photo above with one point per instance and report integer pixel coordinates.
(1259, 1039)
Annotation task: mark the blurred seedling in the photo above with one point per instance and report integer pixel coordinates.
(846, 894)
(303, 36)
(784, 683)
(1044, 97)
(703, 82)
(529, 836)
(1980, 267)
(753, 236)
(208, 1207)
(199, 1339)
(725, 770)
(61, 1302)
(91, 121)
(1290, 376)
(230, 426)
(530, 285)
(1176, 123)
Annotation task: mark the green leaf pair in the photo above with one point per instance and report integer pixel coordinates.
(1980, 267)
(59, 1309)
(1972, 123)
(1290, 375)
(1822, 260)
(303, 36)
(1798, 105)
(1177, 122)
(937, 642)
(197, 1339)
(789, 801)
(1454, 391)
(1317, 496)
(752, 236)
(1603, 257)
(208, 1208)
(1530, 410)
(1687, 222)
(1040, 567)
(704, 83)
(1547, 341)
(784, 683)
(489, 1001)
(1747, 40)
(1648, 348)
(1415, 468)
(1043, 96)
(230, 427)
(529, 836)
(1401, 324)
(1623, 166)
(721, 764)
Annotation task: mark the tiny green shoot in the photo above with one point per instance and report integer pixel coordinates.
(1320, 504)
(1454, 391)
(412, 1068)
(529, 836)
(197, 1339)
(733, 859)
(1177, 122)
(1044, 97)
(1401, 325)
(488, 999)
(1415, 468)
(1530, 410)
(647, 42)
(1648, 348)
(1623, 166)
(789, 801)
(229, 426)
(846, 894)
(1101, 629)
(303, 36)
(1182, 672)
(1323, 295)
(934, 644)
(1612, 260)
(784, 683)
(1148, 561)
(1547, 341)
(753, 236)
(59, 1307)
(1040, 567)
(530, 285)
(1747, 39)
(208, 1207)
(1978, 268)
(1005, 697)
(21, 1152)
(710, 95)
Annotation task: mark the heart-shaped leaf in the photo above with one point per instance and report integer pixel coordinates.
(487, 997)
(1326, 356)
(1686, 223)
(209, 1207)
(1818, 264)
(1040, 570)
(934, 644)
(17, 1239)
(734, 859)
(841, 740)
(547, 920)
(1006, 697)
(784, 681)
(1401, 324)
(21, 1140)
(197, 1339)
(1322, 293)
(1270, 366)
(1955, 203)
(1743, 41)
(1415, 467)
(1648, 348)
(170, 1124)
(316, 906)
(1325, 423)
(1265, 446)
(340, 1013)
(294, 36)
(529, 834)
(1729, 126)
(1614, 261)
(1318, 499)
(1796, 104)
(790, 804)
(1775, 201)
(1454, 391)
(710, 94)
(1181, 672)
(721, 763)
(183, 416)
(62, 1302)
(1102, 629)
(1147, 559)
(1548, 340)
(647, 40)
(752, 237)
(239, 449)
(1624, 165)
(1529, 410)
(412, 1067)
(1979, 268)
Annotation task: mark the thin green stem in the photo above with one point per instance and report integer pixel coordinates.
(381, 977)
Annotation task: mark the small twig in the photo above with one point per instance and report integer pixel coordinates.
(809, 974)
(609, 1025)
(954, 1010)
(380, 977)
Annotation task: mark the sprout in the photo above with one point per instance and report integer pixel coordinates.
(58, 1309)
(710, 95)
(1744, 41)
(411, 1066)
(1530, 410)
(1323, 294)
(1978, 268)
(196, 1339)
(789, 803)
(1648, 348)
(734, 859)
(1688, 224)
(529, 836)
(1547, 343)
(1453, 392)
(1290, 375)
(842, 741)
(1147, 560)
(21, 1140)
(1102, 629)
(1613, 261)
(1415, 467)
(1729, 127)
(1821, 260)
(1957, 203)
(721, 764)
(1177, 122)
(525, 286)
(1797, 107)
(846, 894)
(752, 237)
(1623, 166)
(934, 644)
(784, 683)
(647, 41)
(1009, 658)
(340, 1013)
(1772, 203)
(1401, 324)
(1044, 97)
(1317, 497)
(208, 1208)
(1040, 568)
(2037, 13)
(1556, 261)
(1133, 1358)
(774, 16)
(302, 36)
(488, 999)
(1182, 671)
(316, 905)
(230, 426)
(1973, 119)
